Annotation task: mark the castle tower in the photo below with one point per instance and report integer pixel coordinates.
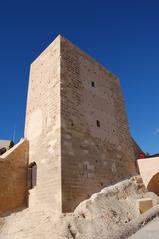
(77, 127)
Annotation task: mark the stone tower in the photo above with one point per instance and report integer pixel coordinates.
(77, 127)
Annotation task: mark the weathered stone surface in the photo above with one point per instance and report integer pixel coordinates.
(13, 178)
(138, 223)
(149, 231)
(42, 128)
(100, 217)
(99, 149)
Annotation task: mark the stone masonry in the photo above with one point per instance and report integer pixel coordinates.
(77, 128)
(13, 179)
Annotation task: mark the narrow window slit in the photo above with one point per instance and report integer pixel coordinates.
(98, 123)
(92, 83)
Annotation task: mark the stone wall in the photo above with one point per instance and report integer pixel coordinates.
(43, 128)
(96, 146)
(13, 178)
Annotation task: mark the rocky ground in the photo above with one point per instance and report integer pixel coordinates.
(111, 213)
(150, 231)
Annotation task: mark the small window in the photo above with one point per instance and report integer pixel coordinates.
(92, 83)
(98, 123)
(32, 175)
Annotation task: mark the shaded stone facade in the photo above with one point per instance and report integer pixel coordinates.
(14, 178)
(77, 128)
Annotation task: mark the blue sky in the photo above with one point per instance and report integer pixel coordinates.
(122, 35)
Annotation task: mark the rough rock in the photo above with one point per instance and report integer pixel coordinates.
(100, 217)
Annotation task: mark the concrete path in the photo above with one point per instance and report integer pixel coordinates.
(150, 231)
